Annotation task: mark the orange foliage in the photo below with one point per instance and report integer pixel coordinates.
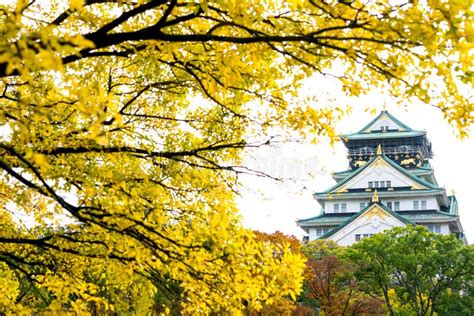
(331, 282)
(278, 238)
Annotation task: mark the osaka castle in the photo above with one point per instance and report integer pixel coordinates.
(389, 183)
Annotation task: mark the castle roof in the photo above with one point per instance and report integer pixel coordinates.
(385, 115)
(340, 220)
(362, 212)
(417, 171)
(339, 187)
(416, 217)
(401, 130)
(380, 135)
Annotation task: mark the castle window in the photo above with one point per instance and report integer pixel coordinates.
(321, 231)
(423, 205)
(389, 205)
(362, 205)
(336, 208)
(434, 229)
(416, 205)
(343, 207)
(362, 236)
(396, 206)
(380, 184)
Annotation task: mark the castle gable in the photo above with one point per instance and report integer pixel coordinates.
(374, 219)
(380, 173)
(385, 122)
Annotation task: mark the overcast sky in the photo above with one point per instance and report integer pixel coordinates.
(269, 206)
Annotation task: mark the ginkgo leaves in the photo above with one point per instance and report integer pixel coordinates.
(127, 121)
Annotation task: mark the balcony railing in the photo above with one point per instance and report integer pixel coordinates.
(388, 150)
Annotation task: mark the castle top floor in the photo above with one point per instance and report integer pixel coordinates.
(408, 147)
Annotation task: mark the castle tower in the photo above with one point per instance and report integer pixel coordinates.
(389, 183)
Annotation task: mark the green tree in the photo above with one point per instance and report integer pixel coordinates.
(413, 269)
(330, 286)
(124, 122)
(456, 302)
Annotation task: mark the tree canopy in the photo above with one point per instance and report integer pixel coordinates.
(412, 269)
(331, 282)
(123, 123)
(402, 271)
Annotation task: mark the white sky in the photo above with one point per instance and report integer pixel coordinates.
(269, 206)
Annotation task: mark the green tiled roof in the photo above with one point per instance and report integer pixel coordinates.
(420, 171)
(390, 162)
(453, 205)
(418, 216)
(426, 165)
(365, 133)
(342, 174)
(345, 172)
(324, 219)
(428, 216)
(390, 116)
(378, 135)
(382, 194)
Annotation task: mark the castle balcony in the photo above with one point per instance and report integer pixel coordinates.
(397, 150)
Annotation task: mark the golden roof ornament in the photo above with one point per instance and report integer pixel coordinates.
(375, 197)
(379, 150)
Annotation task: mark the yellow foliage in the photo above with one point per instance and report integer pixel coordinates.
(9, 288)
(124, 122)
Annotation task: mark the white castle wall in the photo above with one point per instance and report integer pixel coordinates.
(379, 174)
(406, 204)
